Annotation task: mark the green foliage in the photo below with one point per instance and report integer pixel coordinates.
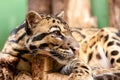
(12, 13)
(100, 9)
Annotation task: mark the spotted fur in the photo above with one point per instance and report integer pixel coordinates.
(100, 53)
(44, 35)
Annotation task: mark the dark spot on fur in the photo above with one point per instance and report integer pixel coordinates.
(101, 36)
(98, 56)
(22, 36)
(81, 71)
(58, 22)
(118, 44)
(79, 75)
(115, 52)
(110, 43)
(40, 36)
(102, 30)
(87, 71)
(112, 61)
(90, 56)
(42, 46)
(75, 67)
(96, 47)
(78, 64)
(84, 67)
(116, 39)
(118, 60)
(53, 21)
(21, 51)
(92, 44)
(106, 38)
(106, 53)
(32, 47)
(118, 33)
(76, 71)
(27, 40)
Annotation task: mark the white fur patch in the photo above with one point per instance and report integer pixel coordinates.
(104, 61)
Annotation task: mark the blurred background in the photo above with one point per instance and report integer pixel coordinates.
(78, 13)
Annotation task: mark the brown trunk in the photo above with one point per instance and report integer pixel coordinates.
(114, 6)
(42, 69)
(78, 13)
(57, 6)
(41, 6)
(40, 66)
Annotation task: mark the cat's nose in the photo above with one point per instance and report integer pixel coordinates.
(75, 50)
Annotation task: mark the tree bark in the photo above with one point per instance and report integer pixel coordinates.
(41, 6)
(57, 6)
(114, 8)
(43, 68)
(78, 13)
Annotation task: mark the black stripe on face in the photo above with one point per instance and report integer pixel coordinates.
(57, 55)
(42, 46)
(40, 36)
(21, 51)
(22, 36)
(17, 29)
(32, 47)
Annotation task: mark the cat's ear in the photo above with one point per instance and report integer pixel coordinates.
(32, 19)
(61, 14)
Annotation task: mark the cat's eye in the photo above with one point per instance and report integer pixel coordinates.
(57, 33)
